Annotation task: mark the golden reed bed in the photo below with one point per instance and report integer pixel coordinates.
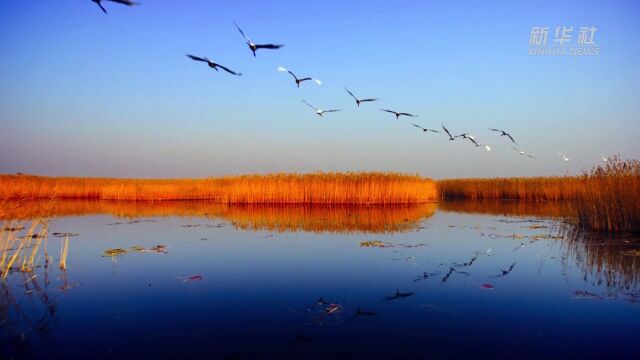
(315, 188)
(607, 198)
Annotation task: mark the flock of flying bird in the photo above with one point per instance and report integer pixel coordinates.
(320, 112)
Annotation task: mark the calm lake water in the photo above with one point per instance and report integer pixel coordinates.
(198, 280)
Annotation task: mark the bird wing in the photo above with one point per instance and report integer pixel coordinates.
(228, 70)
(498, 130)
(311, 105)
(335, 110)
(125, 2)
(418, 126)
(102, 7)
(196, 58)
(407, 114)
(363, 100)
(447, 131)
(472, 140)
(510, 137)
(389, 111)
(531, 156)
(242, 32)
(435, 131)
(350, 93)
(269, 46)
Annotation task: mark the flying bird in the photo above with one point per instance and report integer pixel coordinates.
(213, 65)
(604, 158)
(318, 111)
(398, 114)
(424, 129)
(451, 138)
(253, 46)
(123, 2)
(504, 133)
(358, 101)
(522, 152)
(564, 158)
(298, 81)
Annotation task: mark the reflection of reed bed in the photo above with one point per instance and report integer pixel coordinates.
(342, 219)
(606, 260)
(606, 198)
(317, 218)
(547, 209)
(316, 188)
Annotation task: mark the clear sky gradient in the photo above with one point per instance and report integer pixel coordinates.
(88, 94)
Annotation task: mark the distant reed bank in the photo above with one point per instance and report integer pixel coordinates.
(606, 198)
(314, 188)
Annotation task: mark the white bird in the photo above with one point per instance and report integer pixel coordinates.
(318, 111)
(358, 101)
(564, 158)
(253, 46)
(522, 152)
(123, 2)
(604, 159)
(298, 81)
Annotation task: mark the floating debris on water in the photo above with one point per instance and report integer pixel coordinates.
(583, 294)
(114, 252)
(13, 229)
(134, 249)
(191, 278)
(64, 234)
(376, 243)
(487, 286)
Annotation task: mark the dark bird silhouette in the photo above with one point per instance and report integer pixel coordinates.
(318, 111)
(213, 65)
(468, 263)
(504, 133)
(451, 271)
(451, 138)
(424, 129)
(399, 295)
(253, 46)
(298, 80)
(360, 312)
(123, 2)
(506, 272)
(398, 114)
(358, 101)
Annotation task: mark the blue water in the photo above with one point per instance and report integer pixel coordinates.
(253, 294)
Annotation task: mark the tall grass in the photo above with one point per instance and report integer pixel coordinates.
(315, 188)
(606, 198)
(610, 201)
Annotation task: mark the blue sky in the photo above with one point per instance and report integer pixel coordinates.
(88, 94)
